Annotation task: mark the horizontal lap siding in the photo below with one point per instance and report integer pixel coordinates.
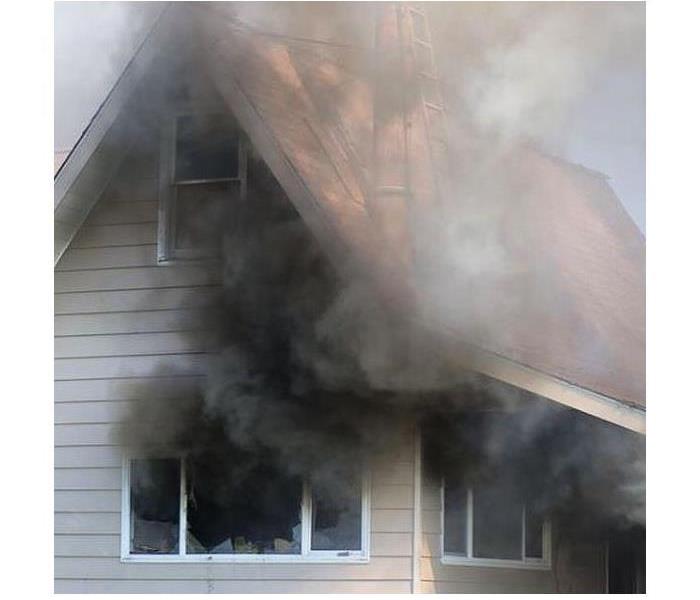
(143, 321)
(135, 586)
(128, 330)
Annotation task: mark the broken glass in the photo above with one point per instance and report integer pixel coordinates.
(155, 506)
(257, 511)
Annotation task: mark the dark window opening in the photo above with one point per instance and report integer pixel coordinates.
(201, 215)
(206, 148)
(336, 522)
(256, 512)
(455, 536)
(155, 506)
(202, 185)
(497, 523)
(490, 522)
(627, 562)
(534, 525)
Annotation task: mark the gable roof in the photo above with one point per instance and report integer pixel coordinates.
(84, 171)
(308, 110)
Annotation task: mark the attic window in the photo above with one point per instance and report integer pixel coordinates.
(490, 525)
(208, 510)
(202, 178)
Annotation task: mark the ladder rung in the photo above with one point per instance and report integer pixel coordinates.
(418, 11)
(435, 107)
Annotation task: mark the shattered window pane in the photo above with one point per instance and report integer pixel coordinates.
(498, 526)
(455, 536)
(256, 511)
(206, 148)
(533, 534)
(155, 506)
(336, 508)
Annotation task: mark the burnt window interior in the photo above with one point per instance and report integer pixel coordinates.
(256, 512)
(231, 508)
(336, 522)
(490, 521)
(155, 506)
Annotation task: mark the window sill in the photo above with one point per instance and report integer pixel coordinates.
(245, 558)
(209, 259)
(534, 564)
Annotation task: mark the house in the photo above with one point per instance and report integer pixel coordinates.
(177, 354)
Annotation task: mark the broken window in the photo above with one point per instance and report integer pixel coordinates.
(206, 508)
(203, 177)
(256, 513)
(155, 506)
(491, 523)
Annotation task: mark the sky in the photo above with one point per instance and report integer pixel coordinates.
(607, 133)
(604, 128)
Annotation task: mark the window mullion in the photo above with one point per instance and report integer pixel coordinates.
(182, 535)
(365, 514)
(470, 523)
(127, 513)
(523, 533)
(306, 519)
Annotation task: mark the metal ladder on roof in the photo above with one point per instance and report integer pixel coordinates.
(421, 46)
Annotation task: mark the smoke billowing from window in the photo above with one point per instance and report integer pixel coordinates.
(315, 372)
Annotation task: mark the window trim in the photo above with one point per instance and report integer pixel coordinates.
(305, 556)
(541, 564)
(167, 254)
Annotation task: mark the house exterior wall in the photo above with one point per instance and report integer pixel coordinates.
(575, 567)
(125, 330)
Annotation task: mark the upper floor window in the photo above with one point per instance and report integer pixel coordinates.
(198, 510)
(491, 525)
(202, 176)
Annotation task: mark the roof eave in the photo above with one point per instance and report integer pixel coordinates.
(546, 385)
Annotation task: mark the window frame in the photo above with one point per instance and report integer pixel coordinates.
(306, 555)
(468, 559)
(167, 254)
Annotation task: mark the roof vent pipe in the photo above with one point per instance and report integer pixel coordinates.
(389, 206)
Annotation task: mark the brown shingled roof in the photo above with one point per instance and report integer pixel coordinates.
(576, 259)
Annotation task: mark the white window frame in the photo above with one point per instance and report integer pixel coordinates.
(468, 559)
(167, 254)
(307, 555)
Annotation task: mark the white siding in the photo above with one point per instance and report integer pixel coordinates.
(127, 330)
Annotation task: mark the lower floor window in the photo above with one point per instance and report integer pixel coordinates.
(491, 524)
(203, 509)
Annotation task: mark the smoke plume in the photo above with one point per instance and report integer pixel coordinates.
(314, 371)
